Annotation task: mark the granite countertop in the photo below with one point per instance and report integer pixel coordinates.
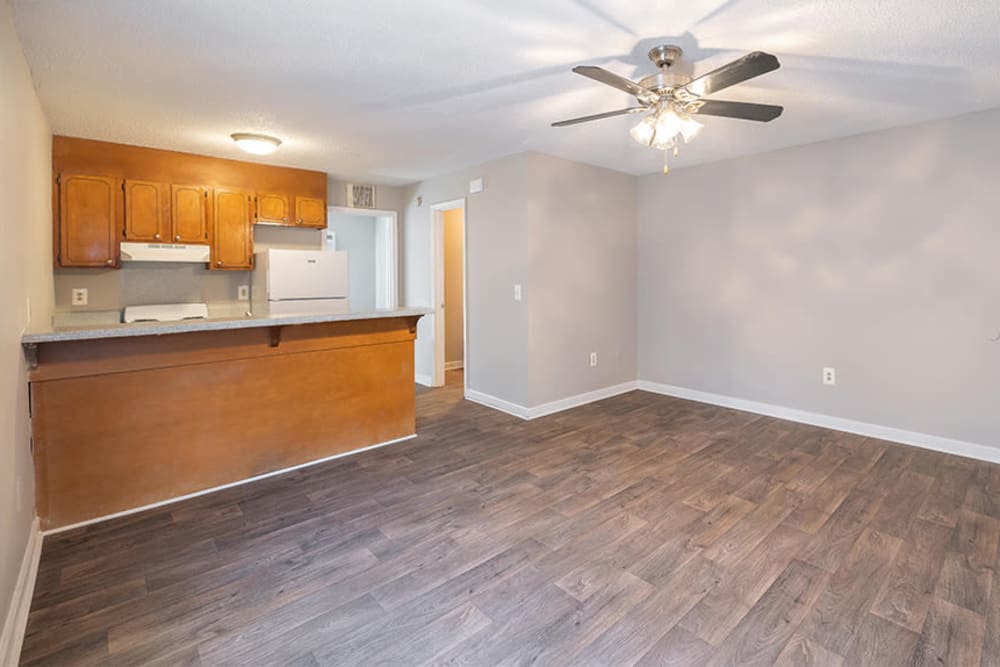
(94, 332)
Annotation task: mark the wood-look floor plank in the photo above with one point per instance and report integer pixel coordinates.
(951, 636)
(761, 635)
(640, 529)
(803, 652)
(905, 594)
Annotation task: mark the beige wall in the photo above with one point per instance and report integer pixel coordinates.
(878, 255)
(25, 255)
(453, 286)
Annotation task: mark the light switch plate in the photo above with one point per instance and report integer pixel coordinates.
(517, 292)
(243, 293)
(475, 186)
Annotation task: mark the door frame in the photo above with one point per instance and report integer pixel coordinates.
(390, 295)
(437, 287)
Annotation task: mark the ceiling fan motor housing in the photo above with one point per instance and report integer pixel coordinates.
(673, 73)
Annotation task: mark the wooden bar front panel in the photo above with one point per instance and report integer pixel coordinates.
(189, 420)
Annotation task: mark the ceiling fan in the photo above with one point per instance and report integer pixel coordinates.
(673, 97)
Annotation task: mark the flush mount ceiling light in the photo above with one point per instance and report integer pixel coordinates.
(673, 97)
(258, 144)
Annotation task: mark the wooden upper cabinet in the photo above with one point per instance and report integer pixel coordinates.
(89, 220)
(232, 240)
(147, 216)
(272, 208)
(189, 214)
(310, 212)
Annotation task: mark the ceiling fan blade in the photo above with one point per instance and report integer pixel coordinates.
(598, 116)
(611, 79)
(738, 71)
(742, 110)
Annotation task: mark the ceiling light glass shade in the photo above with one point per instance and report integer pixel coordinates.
(661, 129)
(257, 144)
(644, 130)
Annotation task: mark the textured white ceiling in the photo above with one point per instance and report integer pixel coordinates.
(396, 90)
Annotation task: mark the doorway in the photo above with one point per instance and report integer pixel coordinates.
(450, 302)
(369, 238)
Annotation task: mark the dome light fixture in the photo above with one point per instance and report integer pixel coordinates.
(257, 144)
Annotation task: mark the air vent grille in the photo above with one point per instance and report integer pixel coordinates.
(360, 196)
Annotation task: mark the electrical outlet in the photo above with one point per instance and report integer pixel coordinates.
(829, 376)
(79, 296)
(517, 292)
(593, 359)
(243, 293)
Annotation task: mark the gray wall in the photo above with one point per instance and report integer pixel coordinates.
(25, 288)
(564, 231)
(582, 275)
(356, 237)
(878, 255)
(387, 197)
(496, 232)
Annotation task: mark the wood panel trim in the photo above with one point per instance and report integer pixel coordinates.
(102, 158)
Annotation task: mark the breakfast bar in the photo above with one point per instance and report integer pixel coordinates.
(129, 415)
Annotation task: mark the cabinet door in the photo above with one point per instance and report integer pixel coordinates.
(232, 241)
(272, 207)
(89, 220)
(189, 214)
(310, 212)
(146, 215)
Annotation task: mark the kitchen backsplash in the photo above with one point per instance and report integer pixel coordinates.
(137, 284)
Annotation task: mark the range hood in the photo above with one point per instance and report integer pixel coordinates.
(164, 252)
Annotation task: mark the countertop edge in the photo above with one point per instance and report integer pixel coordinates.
(192, 326)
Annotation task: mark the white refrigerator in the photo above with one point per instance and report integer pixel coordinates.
(299, 282)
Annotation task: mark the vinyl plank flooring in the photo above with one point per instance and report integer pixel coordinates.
(638, 529)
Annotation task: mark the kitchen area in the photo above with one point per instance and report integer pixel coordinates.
(204, 333)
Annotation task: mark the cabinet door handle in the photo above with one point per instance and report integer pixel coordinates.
(156, 235)
(218, 262)
(300, 221)
(109, 261)
(177, 238)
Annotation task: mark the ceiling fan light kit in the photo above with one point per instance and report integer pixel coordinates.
(672, 97)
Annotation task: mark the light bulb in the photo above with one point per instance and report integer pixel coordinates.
(668, 124)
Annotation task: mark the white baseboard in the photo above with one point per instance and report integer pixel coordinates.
(496, 403)
(453, 365)
(548, 408)
(934, 442)
(425, 380)
(581, 399)
(248, 480)
(16, 619)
